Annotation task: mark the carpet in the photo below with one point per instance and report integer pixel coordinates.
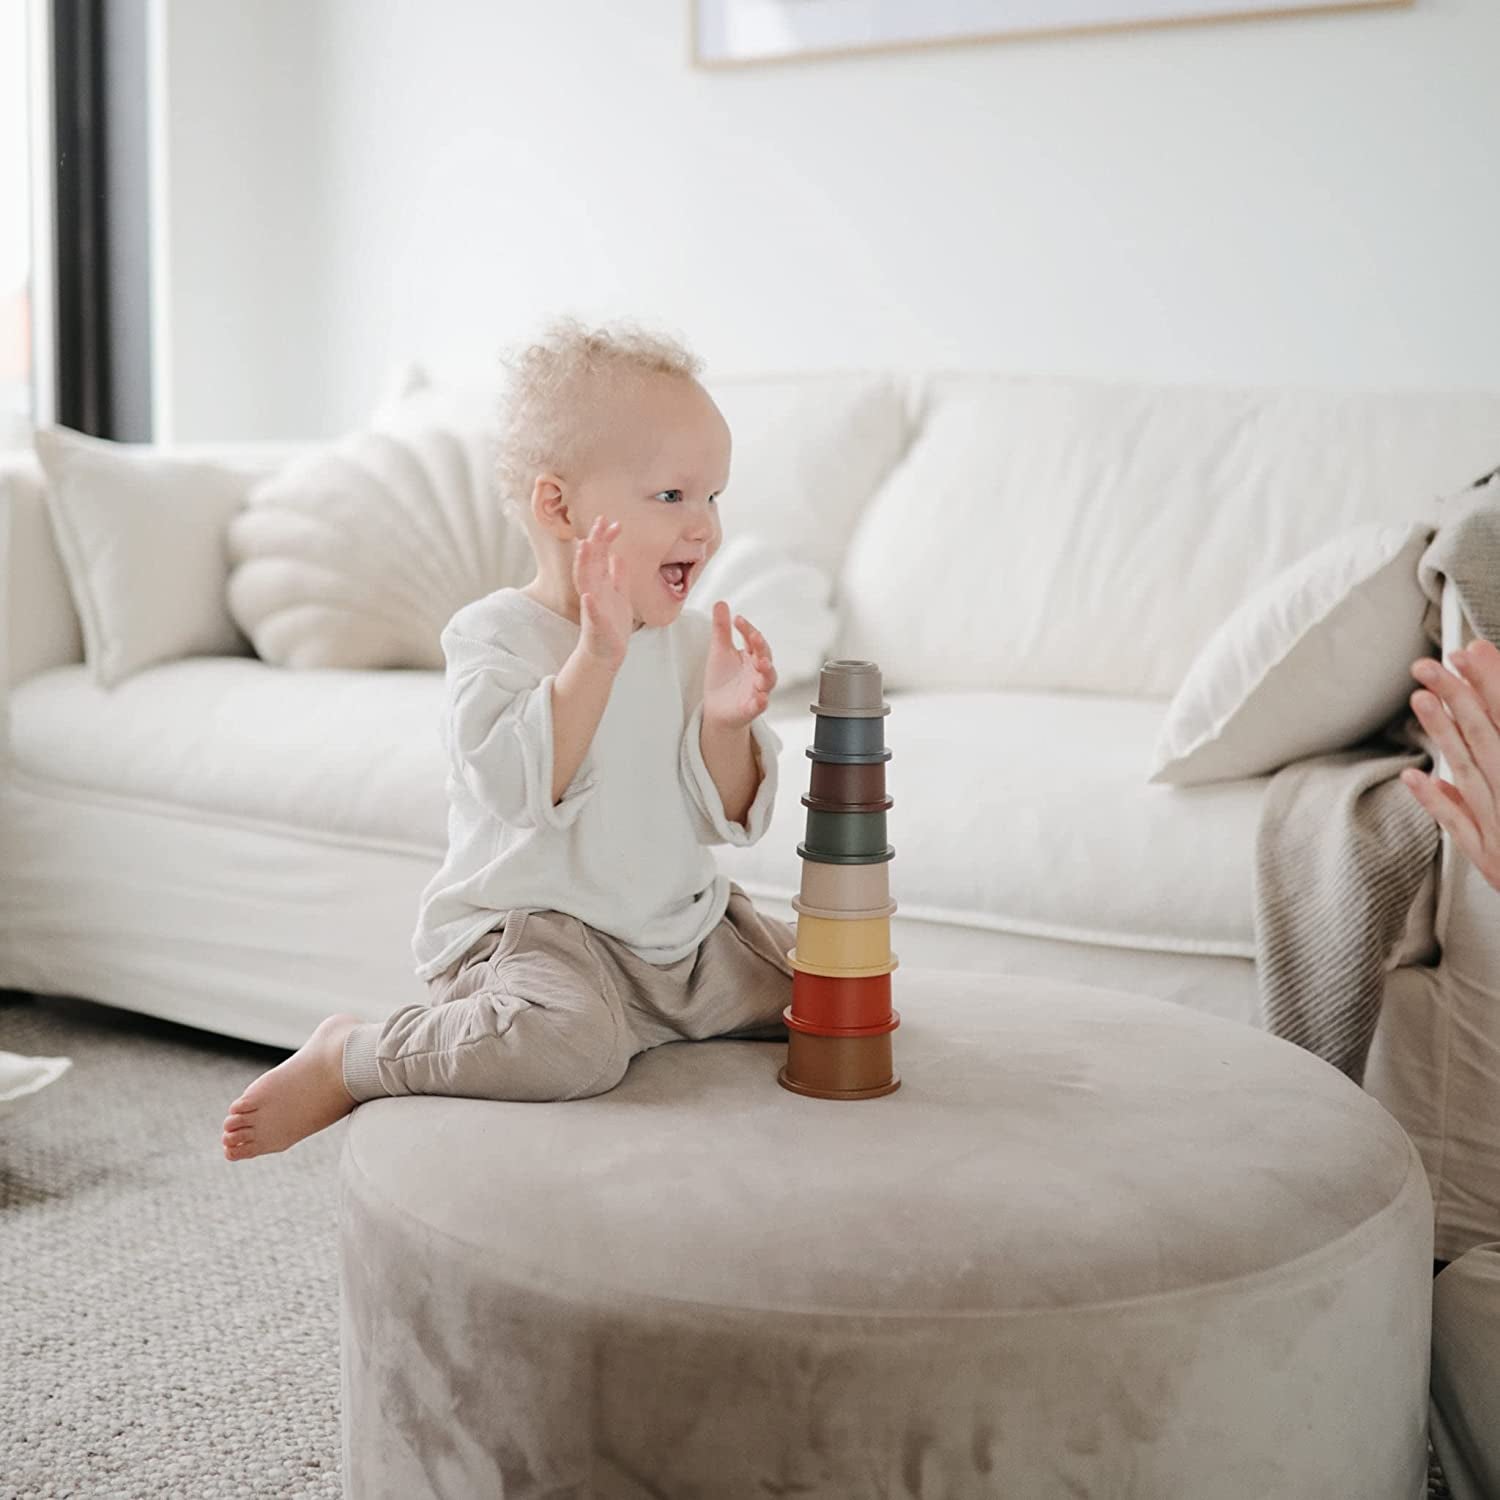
(170, 1319)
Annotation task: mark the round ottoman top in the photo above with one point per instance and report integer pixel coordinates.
(1050, 1144)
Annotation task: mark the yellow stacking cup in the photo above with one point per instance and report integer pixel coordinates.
(843, 940)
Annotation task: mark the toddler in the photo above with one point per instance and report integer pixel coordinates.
(600, 738)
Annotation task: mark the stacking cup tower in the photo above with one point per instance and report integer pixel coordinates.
(840, 1021)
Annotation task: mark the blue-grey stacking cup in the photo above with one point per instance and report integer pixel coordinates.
(837, 735)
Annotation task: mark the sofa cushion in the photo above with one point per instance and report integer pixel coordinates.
(1030, 813)
(1069, 535)
(809, 451)
(1026, 813)
(349, 755)
(1310, 663)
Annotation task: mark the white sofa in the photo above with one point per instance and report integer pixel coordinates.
(1034, 564)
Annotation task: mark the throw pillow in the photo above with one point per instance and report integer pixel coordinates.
(141, 534)
(359, 553)
(1312, 662)
(786, 598)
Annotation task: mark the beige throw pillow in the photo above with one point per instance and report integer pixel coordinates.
(1312, 662)
(359, 553)
(141, 536)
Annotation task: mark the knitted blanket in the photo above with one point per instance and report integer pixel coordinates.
(1342, 847)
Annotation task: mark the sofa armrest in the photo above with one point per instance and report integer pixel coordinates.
(38, 625)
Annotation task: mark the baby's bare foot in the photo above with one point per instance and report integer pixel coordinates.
(294, 1099)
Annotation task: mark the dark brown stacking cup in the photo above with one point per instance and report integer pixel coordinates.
(854, 783)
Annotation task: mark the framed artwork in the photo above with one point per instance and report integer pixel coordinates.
(729, 33)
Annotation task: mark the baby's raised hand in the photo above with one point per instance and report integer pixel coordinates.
(736, 684)
(603, 601)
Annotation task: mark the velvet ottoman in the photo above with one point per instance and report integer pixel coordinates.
(1095, 1244)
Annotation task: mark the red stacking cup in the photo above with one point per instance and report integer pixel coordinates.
(828, 1003)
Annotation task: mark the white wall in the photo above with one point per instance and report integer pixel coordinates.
(239, 247)
(355, 182)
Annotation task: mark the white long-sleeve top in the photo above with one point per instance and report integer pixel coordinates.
(626, 850)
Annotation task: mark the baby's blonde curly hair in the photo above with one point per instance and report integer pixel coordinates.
(557, 389)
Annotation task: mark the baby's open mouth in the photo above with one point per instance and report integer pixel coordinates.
(677, 578)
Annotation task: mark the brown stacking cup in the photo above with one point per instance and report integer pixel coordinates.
(839, 1067)
(856, 785)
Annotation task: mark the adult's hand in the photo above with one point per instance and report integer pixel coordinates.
(1460, 710)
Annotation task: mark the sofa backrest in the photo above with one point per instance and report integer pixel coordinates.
(1089, 536)
(989, 531)
(808, 453)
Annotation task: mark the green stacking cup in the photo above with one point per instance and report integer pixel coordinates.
(822, 856)
(846, 831)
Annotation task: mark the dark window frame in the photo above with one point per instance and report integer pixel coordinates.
(101, 199)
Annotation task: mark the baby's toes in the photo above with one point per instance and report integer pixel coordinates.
(238, 1144)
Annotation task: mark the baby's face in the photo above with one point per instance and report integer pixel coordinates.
(658, 469)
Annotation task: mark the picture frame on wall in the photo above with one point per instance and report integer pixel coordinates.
(733, 33)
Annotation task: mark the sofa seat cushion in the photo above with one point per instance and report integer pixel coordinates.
(1022, 812)
(1031, 813)
(352, 755)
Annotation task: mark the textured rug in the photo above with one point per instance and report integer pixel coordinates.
(169, 1319)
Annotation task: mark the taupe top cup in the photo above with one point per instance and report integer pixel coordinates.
(850, 690)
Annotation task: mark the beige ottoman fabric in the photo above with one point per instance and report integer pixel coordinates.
(1466, 1373)
(1095, 1244)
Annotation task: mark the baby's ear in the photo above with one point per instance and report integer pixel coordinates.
(547, 496)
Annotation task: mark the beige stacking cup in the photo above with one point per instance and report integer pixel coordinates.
(846, 888)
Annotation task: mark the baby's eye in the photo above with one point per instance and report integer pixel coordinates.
(672, 493)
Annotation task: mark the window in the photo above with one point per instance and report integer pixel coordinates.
(24, 232)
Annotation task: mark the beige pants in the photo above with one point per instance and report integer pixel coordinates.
(1466, 1373)
(546, 1007)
